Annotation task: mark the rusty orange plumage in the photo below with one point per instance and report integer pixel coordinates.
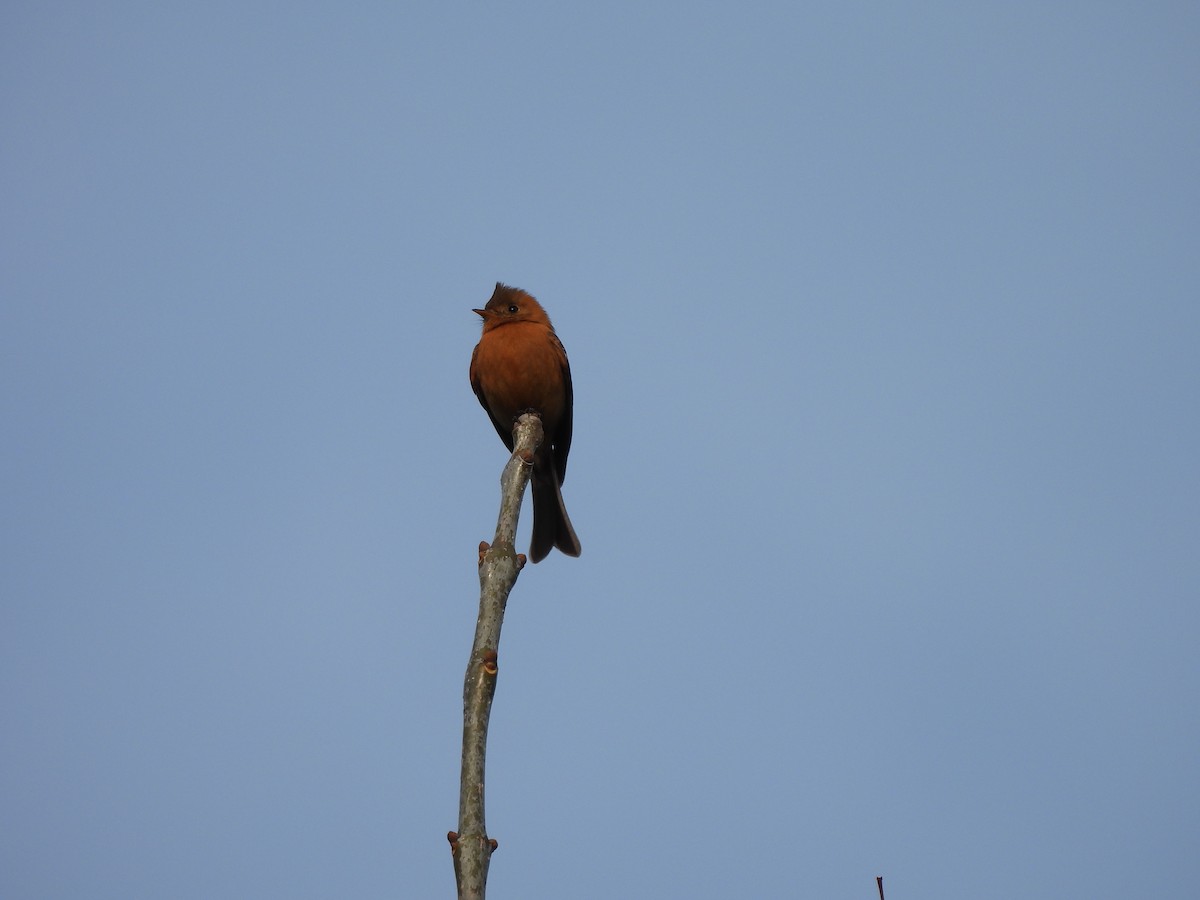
(519, 364)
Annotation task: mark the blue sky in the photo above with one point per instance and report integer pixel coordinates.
(883, 322)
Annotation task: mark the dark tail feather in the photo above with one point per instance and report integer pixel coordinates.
(551, 527)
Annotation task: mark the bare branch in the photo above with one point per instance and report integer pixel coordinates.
(499, 566)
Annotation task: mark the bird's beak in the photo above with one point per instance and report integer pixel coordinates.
(482, 313)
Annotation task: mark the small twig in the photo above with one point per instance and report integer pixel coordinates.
(879, 884)
(499, 566)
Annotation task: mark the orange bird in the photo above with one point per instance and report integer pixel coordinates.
(518, 365)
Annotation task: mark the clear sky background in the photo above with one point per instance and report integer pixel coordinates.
(885, 327)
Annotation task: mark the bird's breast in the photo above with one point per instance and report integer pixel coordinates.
(519, 365)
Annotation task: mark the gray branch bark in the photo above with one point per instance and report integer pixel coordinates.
(499, 566)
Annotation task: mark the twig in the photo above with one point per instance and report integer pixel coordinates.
(499, 566)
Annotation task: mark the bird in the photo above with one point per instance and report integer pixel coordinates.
(520, 365)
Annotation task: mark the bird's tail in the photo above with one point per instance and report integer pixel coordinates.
(551, 525)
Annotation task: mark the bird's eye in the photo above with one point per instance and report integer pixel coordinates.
(512, 308)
